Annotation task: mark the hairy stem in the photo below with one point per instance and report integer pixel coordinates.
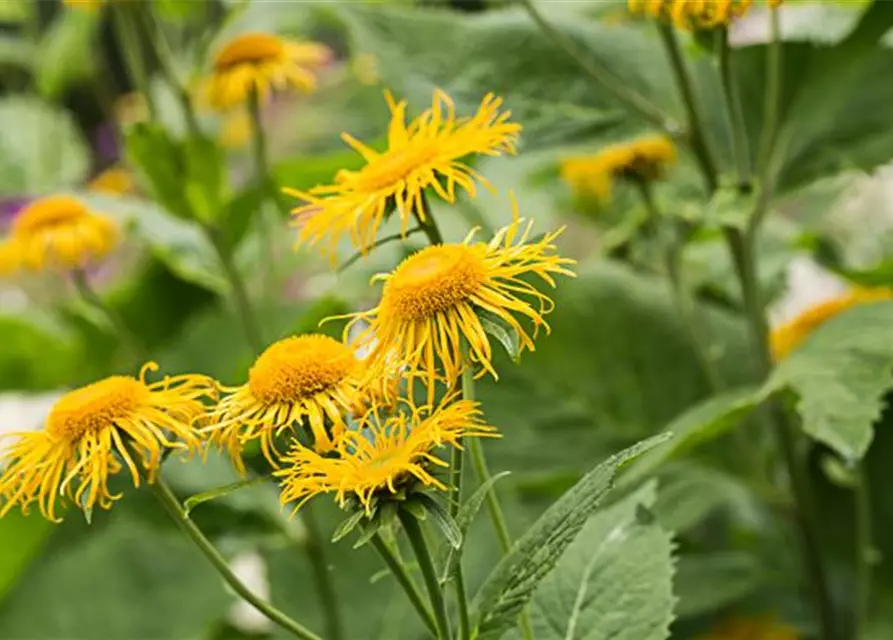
(406, 582)
(429, 573)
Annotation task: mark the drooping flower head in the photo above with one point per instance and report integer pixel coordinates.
(95, 431)
(311, 380)
(426, 153)
(262, 62)
(757, 628)
(57, 232)
(431, 302)
(645, 158)
(381, 454)
(787, 337)
(696, 14)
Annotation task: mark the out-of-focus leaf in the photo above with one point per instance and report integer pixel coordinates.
(689, 493)
(122, 580)
(708, 582)
(512, 583)
(67, 52)
(41, 150)
(615, 581)
(841, 374)
(16, 52)
(36, 354)
(21, 538)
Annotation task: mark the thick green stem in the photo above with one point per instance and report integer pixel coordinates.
(173, 507)
(735, 113)
(602, 77)
(429, 573)
(128, 40)
(91, 297)
(427, 223)
(322, 577)
(457, 459)
(772, 93)
(684, 81)
(405, 581)
(864, 554)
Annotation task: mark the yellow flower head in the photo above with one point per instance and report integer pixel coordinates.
(57, 232)
(425, 153)
(696, 14)
(92, 432)
(430, 302)
(308, 379)
(761, 628)
(262, 62)
(236, 131)
(646, 158)
(114, 181)
(790, 335)
(381, 454)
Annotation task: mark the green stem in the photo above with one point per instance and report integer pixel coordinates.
(427, 222)
(240, 298)
(378, 243)
(686, 87)
(91, 297)
(683, 302)
(457, 459)
(173, 507)
(406, 581)
(735, 113)
(772, 92)
(429, 573)
(602, 77)
(316, 554)
(864, 553)
(261, 156)
(128, 40)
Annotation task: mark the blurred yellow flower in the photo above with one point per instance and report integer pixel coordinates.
(787, 337)
(115, 181)
(427, 152)
(236, 131)
(762, 628)
(365, 68)
(380, 455)
(430, 302)
(130, 109)
(303, 380)
(93, 432)
(646, 158)
(265, 63)
(696, 14)
(57, 232)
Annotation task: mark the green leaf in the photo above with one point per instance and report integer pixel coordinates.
(37, 353)
(708, 582)
(41, 151)
(614, 582)
(512, 583)
(159, 161)
(212, 494)
(67, 52)
(21, 539)
(504, 334)
(702, 423)
(348, 524)
(205, 178)
(442, 519)
(840, 375)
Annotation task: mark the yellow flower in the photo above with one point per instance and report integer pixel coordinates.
(236, 131)
(762, 628)
(381, 455)
(426, 153)
(366, 69)
(308, 379)
(790, 335)
(115, 181)
(646, 158)
(262, 62)
(130, 109)
(430, 303)
(696, 14)
(86, 436)
(57, 232)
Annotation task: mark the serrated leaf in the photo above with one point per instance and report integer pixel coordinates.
(219, 492)
(443, 520)
(504, 334)
(511, 584)
(840, 375)
(615, 582)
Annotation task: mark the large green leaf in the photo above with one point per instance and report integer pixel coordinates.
(841, 374)
(615, 581)
(21, 539)
(41, 149)
(707, 582)
(67, 52)
(121, 580)
(512, 583)
(37, 353)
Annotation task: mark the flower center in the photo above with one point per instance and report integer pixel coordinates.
(395, 166)
(96, 407)
(433, 280)
(48, 212)
(300, 367)
(250, 48)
